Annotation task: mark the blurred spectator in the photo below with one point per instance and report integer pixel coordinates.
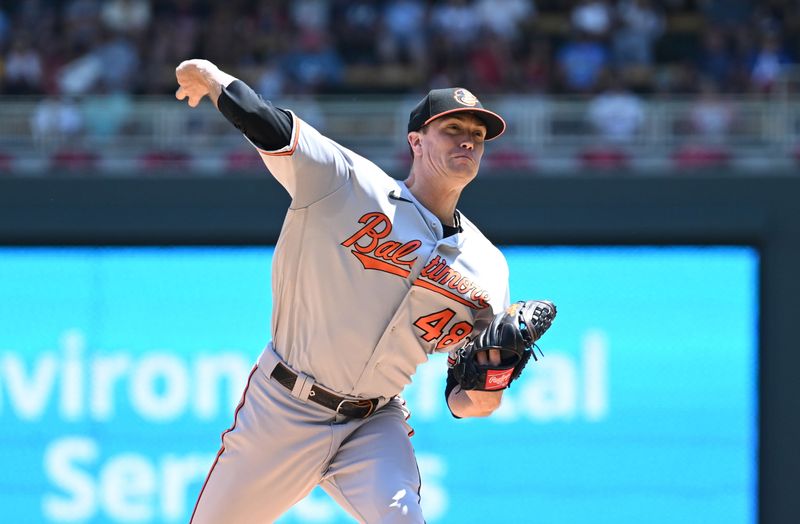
(403, 44)
(315, 66)
(313, 15)
(174, 35)
(710, 116)
(55, 118)
(727, 14)
(580, 63)
(745, 48)
(593, 17)
(537, 69)
(272, 81)
(221, 27)
(119, 60)
(4, 27)
(456, 23)
(404, 38)
(126, 16)
(177, 29)
(715, 60)
(356, 26)
(677, 6)
(106, 112)
(640, 25)
(273, 20)
(616, 114)
(81, 21)
(312, 113)
(678, 79)
(489, 65)
(768, 64)
(111, 63)
(503, 18)
(80, 75)
(446, 74)
(23, 69)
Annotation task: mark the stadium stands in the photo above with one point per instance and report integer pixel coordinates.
(587, 83)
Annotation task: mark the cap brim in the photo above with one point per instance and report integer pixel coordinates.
(495, 125)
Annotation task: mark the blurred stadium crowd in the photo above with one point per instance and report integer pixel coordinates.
(360, 46)
(615, 83)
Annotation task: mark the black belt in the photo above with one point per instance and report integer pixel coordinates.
(361, 408)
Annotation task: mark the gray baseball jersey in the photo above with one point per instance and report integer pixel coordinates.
(365, 288)
(364, 285)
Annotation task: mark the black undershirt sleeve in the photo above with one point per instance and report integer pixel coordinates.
(266, 126)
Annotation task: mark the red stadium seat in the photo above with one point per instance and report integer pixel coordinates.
(73, 160)
(605, 157)
(508, 159)
(5, 163)
(165, 159)
(695, 156)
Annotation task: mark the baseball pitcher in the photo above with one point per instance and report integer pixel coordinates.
(371, 275)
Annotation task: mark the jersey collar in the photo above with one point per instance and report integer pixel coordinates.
(432, 221)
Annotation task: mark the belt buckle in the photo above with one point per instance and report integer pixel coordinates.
(362, 403)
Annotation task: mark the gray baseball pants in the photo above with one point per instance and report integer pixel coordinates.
(282, 445)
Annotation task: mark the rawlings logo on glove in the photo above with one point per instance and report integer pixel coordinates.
(514, 333)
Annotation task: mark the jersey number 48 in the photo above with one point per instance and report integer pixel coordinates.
(433, 328)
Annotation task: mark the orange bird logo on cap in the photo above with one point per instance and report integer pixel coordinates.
(465, 98)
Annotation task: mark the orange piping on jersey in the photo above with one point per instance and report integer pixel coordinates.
(436, 289)
(373, 263)
(294, 143)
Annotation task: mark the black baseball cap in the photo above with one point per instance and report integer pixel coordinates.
(441, 102)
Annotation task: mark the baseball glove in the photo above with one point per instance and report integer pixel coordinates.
(514, 333)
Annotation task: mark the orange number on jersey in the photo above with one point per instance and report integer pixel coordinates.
(455, 335)
(433, 326)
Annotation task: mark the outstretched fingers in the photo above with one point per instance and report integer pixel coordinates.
(191, 82)
(193, 93)
(488, 358)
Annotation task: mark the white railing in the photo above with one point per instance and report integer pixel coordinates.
(551, 130)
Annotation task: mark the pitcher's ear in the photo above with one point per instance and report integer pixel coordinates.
(415, 142)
